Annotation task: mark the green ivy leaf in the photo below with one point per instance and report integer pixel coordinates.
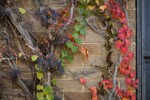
(47, 90)
(80, 11)
(75, 35)
(74, 49)
(22, 10)
(39, 75)
(50, 97)
(64, 53)
(34, 57)
(54, 81)
(36, 67)
(88, 13)
(39, 87)
(78, 40)
(77, 27)
(83, 30)
(70, 58)
(79, 19)
(83, 22)
(69, 44)
(40, 95)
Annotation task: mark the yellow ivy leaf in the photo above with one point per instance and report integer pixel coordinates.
(39, 75)
(22, 10)
(20, 55)
(91, 7)
(97, 2)
(34, 57)
(102, 7)
(88, 1)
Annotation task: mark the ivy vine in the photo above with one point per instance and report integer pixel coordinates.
(43, 56)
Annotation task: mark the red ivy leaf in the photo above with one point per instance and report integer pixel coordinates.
(130, 55)
(119, 44)
(132, 74)
(127, 72)
(82, 80)
(124, 50)
(129, 81)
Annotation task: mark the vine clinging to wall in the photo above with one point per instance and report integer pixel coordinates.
(47, 62)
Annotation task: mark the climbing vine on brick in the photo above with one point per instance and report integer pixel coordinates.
(49, 52)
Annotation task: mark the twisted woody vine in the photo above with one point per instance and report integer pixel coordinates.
(48, 53)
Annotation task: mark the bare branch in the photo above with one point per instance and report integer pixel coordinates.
(23, 32)
(96, 29)
(70, 18)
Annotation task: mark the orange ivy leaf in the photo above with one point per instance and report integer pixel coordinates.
(125, 99)
(84, 51)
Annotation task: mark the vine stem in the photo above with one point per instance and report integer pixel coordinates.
(49, 78)
(125, 11)
(120, 56)
(94, 27)
(71, 14)
(70, 18)
(114, 77)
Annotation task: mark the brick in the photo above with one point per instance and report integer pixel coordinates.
(15, 86)
(132, 47)
(133, 37)
(91, 83)
(19, 98)
(131, 4)
(97, 60)
(25, 3)
(27, 75)
(6, 97)
(75, 64)
(36, 25)
(59, 94)
(132, 15)
(77, 96)
(13, 92)
(24, 68)
(132, 25)
(55, 4)
(93, 48)
(82, 72)
(93, 37)
(7, 82)
(69, 85)
(78, 59)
